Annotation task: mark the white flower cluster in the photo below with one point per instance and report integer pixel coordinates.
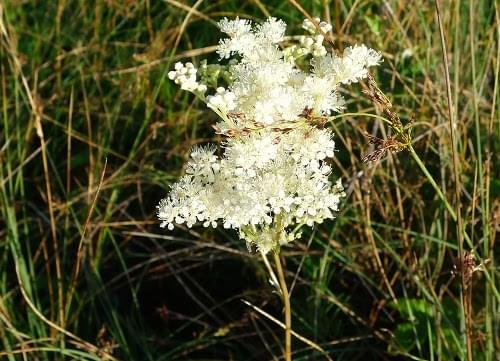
(274, 173)
(269, 87)
(222, 102)
(185, 76)
(309, 26)
(263, 179)
(314, 44)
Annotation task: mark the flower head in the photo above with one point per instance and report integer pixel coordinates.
(262, 177)
(185, 76)
(274, 171)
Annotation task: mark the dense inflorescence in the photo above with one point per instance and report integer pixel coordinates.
(274, 174)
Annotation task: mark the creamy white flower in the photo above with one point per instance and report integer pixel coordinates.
(311, 28)
(185, 76)
(320, 95)
(222, 101)
(236, 27)
(248, 42)
(266, 84)
(263, 92)
(313, 45)
(354, 64)
(270, 88)
(272, 30)
(262, 178)
(274, 173)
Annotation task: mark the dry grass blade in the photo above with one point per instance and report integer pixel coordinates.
(37, 111)
(456, 176)
(87, 345)
(80, 254)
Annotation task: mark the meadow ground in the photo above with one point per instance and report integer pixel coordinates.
(92, 133)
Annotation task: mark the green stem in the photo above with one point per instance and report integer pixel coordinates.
(431, 180)
(286, 304)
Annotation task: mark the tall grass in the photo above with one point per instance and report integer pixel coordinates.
(92, 133)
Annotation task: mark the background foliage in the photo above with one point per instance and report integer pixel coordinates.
(92, 133)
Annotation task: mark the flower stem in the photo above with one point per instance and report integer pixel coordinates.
(286, 304)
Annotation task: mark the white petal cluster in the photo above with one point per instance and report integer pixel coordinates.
(350, 68)
(273, 174)
(247, 42)
(263, 181)
(313, 45)
(185, 76)
(268, 85)
(310, 27)
(222, 101)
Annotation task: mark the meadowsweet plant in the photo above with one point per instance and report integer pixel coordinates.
(273, 95)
